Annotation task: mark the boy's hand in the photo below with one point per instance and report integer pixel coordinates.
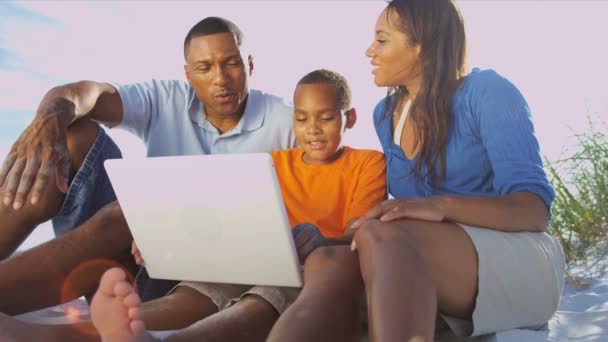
(137, 254)
(307, 238)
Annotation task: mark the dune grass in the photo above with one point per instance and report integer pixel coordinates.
(580, 209)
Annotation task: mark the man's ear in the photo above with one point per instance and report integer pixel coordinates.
(187, 73)
(250, 64)
(351, 118)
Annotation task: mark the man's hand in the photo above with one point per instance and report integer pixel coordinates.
(139, 260)
(39, 152)
(307, 238)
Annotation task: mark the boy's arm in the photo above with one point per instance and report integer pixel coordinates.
(370, 191)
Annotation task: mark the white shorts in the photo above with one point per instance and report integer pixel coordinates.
(520, 281)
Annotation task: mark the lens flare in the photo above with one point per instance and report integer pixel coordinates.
(72, 314)
(86, 275)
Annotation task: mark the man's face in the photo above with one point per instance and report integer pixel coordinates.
(318, 123)
(215, 69)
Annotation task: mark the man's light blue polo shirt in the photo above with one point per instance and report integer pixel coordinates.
(170, 119)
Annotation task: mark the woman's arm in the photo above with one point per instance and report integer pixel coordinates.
(515, 212)
(518, 211)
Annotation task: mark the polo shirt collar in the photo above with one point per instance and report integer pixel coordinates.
(252, 119)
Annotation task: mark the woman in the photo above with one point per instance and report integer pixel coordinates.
(465, 237)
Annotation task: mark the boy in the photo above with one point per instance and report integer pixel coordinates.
(324, 184)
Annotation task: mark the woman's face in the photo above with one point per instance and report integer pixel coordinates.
(394, 57)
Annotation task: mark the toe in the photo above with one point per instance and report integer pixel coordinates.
(123, 289)
(109, 280)
(137, 327)
(135, 314)
(131, 300)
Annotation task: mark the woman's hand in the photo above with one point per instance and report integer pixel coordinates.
(426, 209)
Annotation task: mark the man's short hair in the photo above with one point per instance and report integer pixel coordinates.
(343, 96)
(212, 25)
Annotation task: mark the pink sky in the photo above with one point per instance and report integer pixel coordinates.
(552, 50)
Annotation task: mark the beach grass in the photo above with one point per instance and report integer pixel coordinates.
(580, 210)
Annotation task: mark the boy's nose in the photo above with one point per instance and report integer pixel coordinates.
(313, 130)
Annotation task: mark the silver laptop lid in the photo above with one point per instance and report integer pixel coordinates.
(214, 218)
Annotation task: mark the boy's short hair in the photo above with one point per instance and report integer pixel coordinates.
(343, 95)
(212, 25)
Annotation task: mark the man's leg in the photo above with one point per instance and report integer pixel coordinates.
(179, 309)
(71, 265)
(327, 309)
(66, 267)
(12, 329)
(16, 225)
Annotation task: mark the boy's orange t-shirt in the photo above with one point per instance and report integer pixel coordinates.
(330, 196)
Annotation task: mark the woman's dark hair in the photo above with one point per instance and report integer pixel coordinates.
(437, 26)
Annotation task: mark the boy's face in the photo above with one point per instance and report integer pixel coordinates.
(318, 123)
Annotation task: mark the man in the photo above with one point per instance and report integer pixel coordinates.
(214, 112)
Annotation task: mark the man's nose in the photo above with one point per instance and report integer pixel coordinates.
(221, 76)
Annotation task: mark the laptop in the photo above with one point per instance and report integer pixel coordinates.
(213, 218)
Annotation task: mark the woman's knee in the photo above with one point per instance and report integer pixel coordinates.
(387, 242)
(377, 235)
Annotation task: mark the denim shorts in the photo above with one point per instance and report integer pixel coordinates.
(90, 191)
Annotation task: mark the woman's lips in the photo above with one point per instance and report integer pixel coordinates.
(375, 68)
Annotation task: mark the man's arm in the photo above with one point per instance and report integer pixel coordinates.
(42, 145)
(94, 100)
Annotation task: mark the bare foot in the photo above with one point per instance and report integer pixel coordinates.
(116, 310)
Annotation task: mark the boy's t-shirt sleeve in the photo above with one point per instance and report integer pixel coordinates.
(370, 189)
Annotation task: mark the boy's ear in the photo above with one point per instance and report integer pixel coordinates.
(351, 118)
(250, 64)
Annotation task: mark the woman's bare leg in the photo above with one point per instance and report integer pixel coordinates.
(411, 269)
